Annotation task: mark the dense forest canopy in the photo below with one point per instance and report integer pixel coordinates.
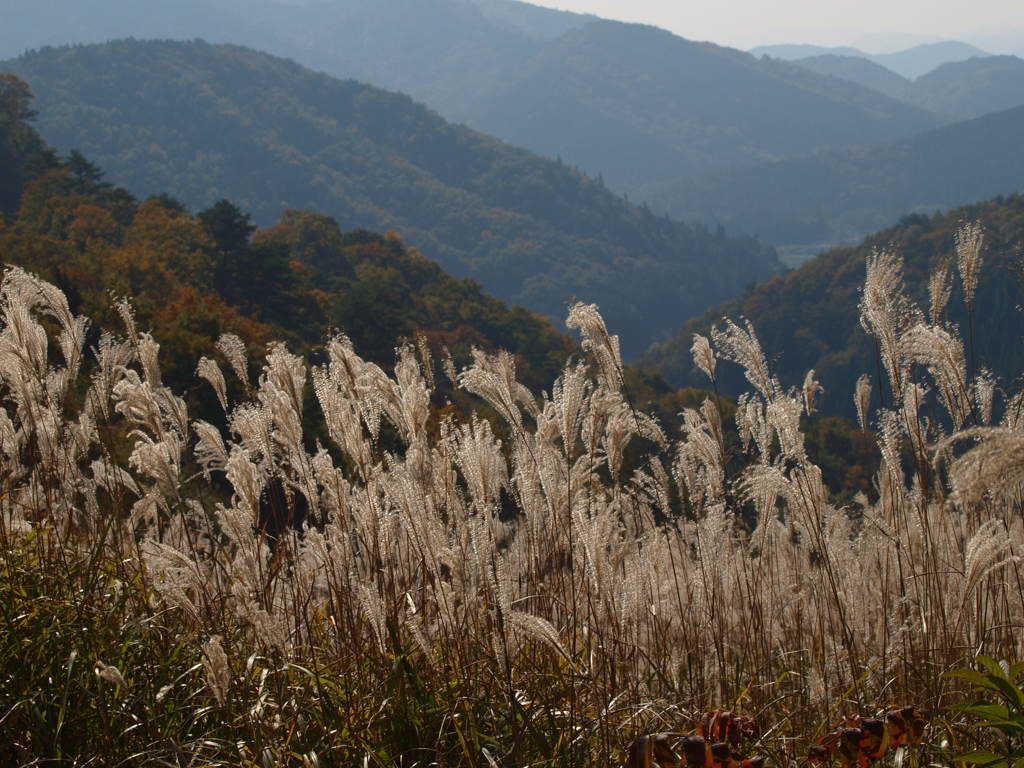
(635, 103)
(192, 278)
(809, 317)
(837, 198)
(204, 122)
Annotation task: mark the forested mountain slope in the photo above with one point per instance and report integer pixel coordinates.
(961, 89)
(808, 318)
(636, 104)
(840, 197)
(205, 122)
(641, 104)
(191, 278)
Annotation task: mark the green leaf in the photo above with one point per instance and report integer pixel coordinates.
(972, 676)
(982, 759)
(984, 710)
(993, 666)
(1010, 692)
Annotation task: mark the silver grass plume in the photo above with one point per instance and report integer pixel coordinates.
(969, 240)
(177, 578)
(493, 377)
(478, 455)
(210, 451)
(939, 289)
(218, 672)
(862, 400)
(984, 393)
(994, 468)
(943, 353)
(112, 358)
(210, 371)
(1013, 414)
(233, 349)
(598, 341)
(110, 674)
(988, 549)
(885, 311)
(740, 345)
(703, 356)
(810, 391)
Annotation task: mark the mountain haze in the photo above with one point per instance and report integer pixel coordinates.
(659, 106)
(840, 197)
(636, 104)
(910, 63)
(961, 89)
(205, 122)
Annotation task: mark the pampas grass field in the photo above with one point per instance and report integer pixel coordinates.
(512, 578)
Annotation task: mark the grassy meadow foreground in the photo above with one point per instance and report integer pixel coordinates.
(441, 567)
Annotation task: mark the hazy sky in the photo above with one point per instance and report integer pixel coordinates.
(746, 23)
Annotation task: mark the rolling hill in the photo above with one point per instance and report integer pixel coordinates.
(840, 197)
(205, 122)
(636, 104)
(909, 63)
(808, 318)
(961, 89)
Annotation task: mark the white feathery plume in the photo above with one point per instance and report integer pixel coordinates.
(569, 396)
(885, 311)
(598, 341)
(1013, 415)
(113, 479)
(703, 356)
(135, 400)
(373, 610)
(994, 467)
(478, 456)
(110, 674)
(175, 576)
(210, 451)
(969, 239)
(740, 345)
(984, 393)
(287, 373)
(493, 377)
(939, 289)
(989, 548)
(810, 392)
(218, 671)
(210, 371)
(254, 426)
(248, 480)
(112, 357)
(943, 353)
(127, 315)
(783, 415)
(414, 397)
(148, 352)
(233, 349)
(862, 400)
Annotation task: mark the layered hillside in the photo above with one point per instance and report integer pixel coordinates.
(191, 278)
(840, 197)
(204, 122)
(809, 318)
(961, 89)
(636, 104)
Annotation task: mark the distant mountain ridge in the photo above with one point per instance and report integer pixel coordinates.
(840, 197)
(638, 105)
(204, 122)
(961, 89)
(910, 63)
